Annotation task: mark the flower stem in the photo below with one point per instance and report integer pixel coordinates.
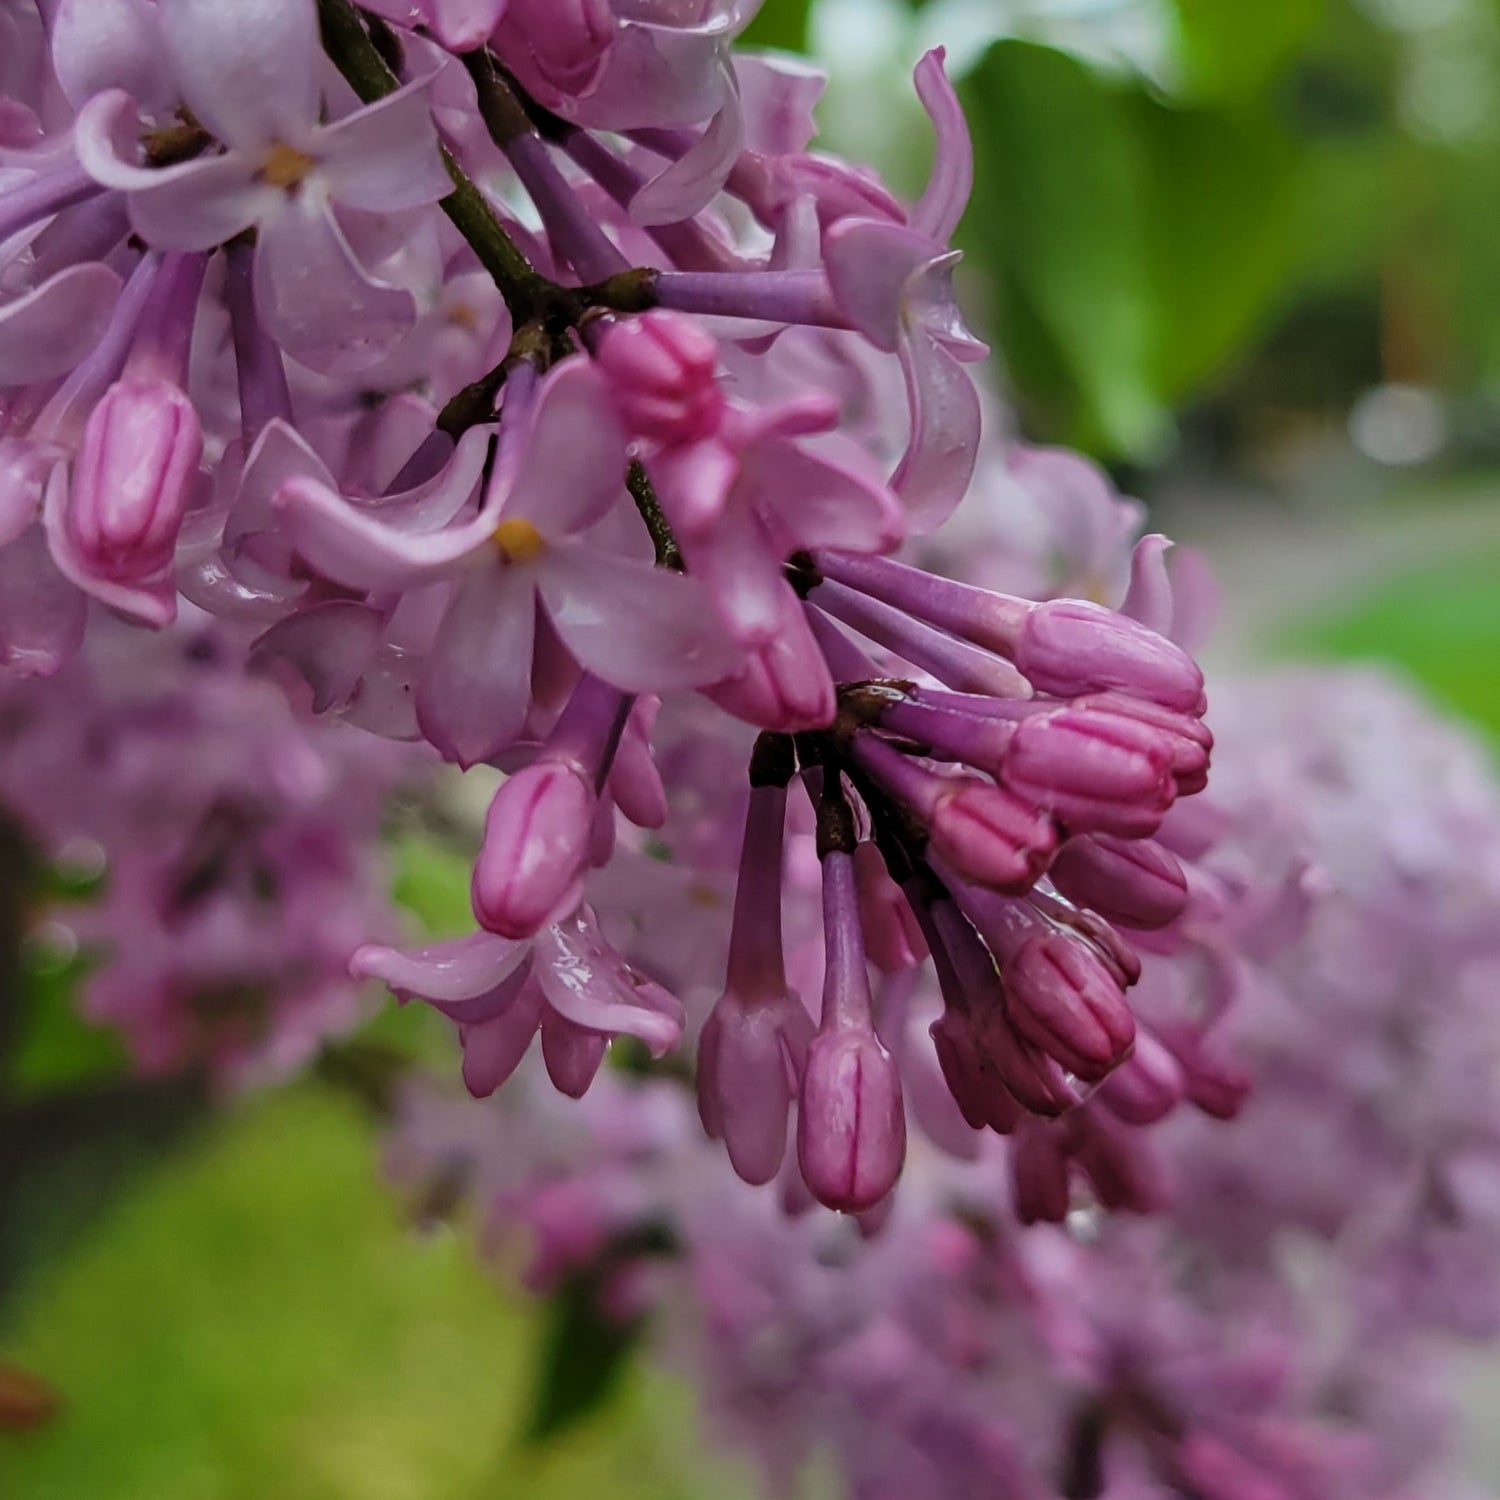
(357, 57)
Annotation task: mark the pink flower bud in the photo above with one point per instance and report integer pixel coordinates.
(1134, 882)
(1187, 740)
(536, 844)
(662, 374)
(785, 684)
(557, 48)
(1092, 771)
(1039, 1174)
(893, 937)
(1069, 646)
(851, 1127)
(1060, 997)
(750, 1054)
(133, 480)
(1119, 1161)
(991, 836)
(1147, 1086)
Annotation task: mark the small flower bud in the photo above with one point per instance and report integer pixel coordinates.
(1147, 1086)
(1092, 771)
(991, 836)
(893, 937)
(535, 854)
(133, 480)
(662, 374)
(1069, 646)
(1039, 1174)
(1060, 997)
(851, 1127)
(981, 1098)
(1133, 882)
(1187, 740)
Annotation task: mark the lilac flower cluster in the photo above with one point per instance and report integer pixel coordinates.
(1281, 1329)
(493, 368)
(236, 847)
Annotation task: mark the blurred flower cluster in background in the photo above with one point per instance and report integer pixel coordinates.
(1238, 262)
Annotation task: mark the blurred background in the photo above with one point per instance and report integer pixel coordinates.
(1247, 253)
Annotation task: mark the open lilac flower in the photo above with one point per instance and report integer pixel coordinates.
(253, 84)
(638, 627)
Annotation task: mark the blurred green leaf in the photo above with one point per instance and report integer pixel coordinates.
(432, 883)
(256, 1321)
(1230, 49)
(1221, 233)
(584, 1356)
(56, 1047)
(780, 23)
(1057, 219)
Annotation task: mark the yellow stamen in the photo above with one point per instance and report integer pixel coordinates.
(519, 541)
(285, 166)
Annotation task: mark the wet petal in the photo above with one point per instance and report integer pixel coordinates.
(102, 44)
(642, 629)
(476, 684)
(587, 982)
(460, 969)
(247, 68)
(385, 157)
(947, 193)
(690, 184)
(869, 266)
(817, 500)
(330, 645)
(574, 466)
(46, 331)
(315, 298)
(42, 615)
(935, 471)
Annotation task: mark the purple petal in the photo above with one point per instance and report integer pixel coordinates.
(330, 645)
(460, 969)
(588, 983)
(349, 546)
(818, 501)
(385, 157)
(690, 184)
(192, 206)
(315, 298)
(247, 68)
(642, 629)
(476, 685)
(947, 194)
(279, 454)
(462, 25)
(102, 44)
(1149, 597)
(46, 331)
(574, 466)
(869, 265)
(493, 1049)
(935, 471)
(42, 615)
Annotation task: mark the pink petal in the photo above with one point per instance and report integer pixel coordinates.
(462, 25)
(691, 183)
(385, 157)
(588, 983)
(192, 206)
(574, 466)
(248, 68)
(279, 454)
(460, 969)
(493, 1049)
(42, 615)
(947, 194)
(101, 44)
(1149, 597)
(642, 629)
(315, 298)
(818, 501)
(46, 331)
(869, 264)
(330, 645)
(348, 545)
(476, 684)
(938, 464)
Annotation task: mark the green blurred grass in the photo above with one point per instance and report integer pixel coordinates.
(254, 1321)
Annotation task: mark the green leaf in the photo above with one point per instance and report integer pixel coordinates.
(583, 1357)
(1229, 49)
(1057, 219)
(432, 883)
(779, 23)
(1221, 221)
